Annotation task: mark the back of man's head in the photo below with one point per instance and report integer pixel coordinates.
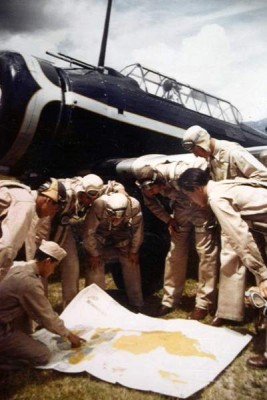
(192, 178)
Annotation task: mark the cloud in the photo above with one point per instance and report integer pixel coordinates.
(20, 16)
(218, 47)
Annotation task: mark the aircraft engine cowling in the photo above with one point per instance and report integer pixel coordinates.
(14, 97)
(30, 102)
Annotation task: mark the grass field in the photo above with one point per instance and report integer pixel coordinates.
(238, 381)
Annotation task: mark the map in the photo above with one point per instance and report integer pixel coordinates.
(138, 351)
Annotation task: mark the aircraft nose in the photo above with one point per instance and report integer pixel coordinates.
(9, 123)
(16, 89)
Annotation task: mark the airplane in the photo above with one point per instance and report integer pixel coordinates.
(56, 120)
(60, 122)
(63, 120)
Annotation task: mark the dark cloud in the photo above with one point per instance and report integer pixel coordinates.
(23, 16)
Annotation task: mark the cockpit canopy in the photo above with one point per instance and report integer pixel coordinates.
(162, 86)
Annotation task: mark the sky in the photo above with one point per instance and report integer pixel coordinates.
(216, 46)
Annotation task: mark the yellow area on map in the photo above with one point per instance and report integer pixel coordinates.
(174, 343)
(79, 356)
(172, 377)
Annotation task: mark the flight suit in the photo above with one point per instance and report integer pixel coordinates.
(189, 218)
(59, 230)
(62, 233)
(110, 187)
(18, 221)
(229, 161)
(238, 205)
(22, 296)
(101, 237)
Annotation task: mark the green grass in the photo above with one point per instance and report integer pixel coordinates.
(237, 382)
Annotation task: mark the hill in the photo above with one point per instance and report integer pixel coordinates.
(260, 125)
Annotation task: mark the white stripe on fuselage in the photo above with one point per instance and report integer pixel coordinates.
(48, 92)
(76, 100)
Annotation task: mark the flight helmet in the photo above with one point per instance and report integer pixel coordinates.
(196, 136)
(92, 185)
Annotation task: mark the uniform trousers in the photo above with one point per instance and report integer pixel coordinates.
(69, 268)
(232, 282)
(20, 348)
(176, 266)
(130, 272)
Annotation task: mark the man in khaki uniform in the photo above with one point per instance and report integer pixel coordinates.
(183, 218)
(227, 160)
(237, 204)
(81, 193)
(22, 296)
(107, 188)
(20, 211)
(115, 224)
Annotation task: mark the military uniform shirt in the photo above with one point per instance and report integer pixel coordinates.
(17, 209)
(97, 224)
(22, 292)
(230, 160)
(233, 202)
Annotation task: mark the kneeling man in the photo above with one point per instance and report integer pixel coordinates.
(22, 296)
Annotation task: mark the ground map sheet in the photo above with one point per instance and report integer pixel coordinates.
(174, 357)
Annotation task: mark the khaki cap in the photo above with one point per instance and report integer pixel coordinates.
(55, 190)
